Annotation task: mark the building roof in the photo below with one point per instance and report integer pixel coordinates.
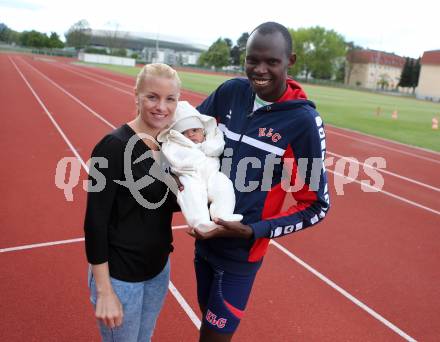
(431, 57)
(138, 40)
(375, 57)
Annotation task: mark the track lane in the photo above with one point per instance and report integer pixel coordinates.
(382, 252)
(288, 303)
(30, 151)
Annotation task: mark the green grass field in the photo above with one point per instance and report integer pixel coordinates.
(348, 109)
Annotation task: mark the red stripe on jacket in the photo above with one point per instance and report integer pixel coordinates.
(275, 198)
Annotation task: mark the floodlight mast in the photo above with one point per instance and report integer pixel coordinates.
(157, 47)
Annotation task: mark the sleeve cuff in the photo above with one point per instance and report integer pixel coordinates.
(261, 229)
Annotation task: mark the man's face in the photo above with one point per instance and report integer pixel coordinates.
(266, 65)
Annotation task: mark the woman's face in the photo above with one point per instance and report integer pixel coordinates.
(157, 100)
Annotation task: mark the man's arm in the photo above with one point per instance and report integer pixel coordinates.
(308, 181)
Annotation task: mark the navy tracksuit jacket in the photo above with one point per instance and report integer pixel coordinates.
(277, 149)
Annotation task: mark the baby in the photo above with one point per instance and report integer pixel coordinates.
(192, 145)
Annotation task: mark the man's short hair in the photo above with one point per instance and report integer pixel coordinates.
(272, 27)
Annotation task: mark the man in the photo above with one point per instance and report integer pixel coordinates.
(268, 123)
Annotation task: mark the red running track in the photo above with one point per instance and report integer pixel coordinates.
(380, 247)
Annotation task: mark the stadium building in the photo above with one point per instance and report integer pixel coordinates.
(150, 48)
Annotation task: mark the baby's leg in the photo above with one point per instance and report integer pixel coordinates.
(222, 197)
(193, 201)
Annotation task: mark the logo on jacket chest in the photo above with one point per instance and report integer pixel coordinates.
(269, 132)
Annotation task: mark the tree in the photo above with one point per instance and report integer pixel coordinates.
(238, 51)
(119, 52)
(383, 81)
(217, 54)
(95, 51)
(415, 74)
(7, 35)
(301, 47)
(55, 42)
(406, 75)
(409, 77)
(241, 44)
(78, 35)
(114, 38)
(318, 52)
(228, 42)
(242, 41)
(203, 59)
(235, 55)
(34, 39)
(4, 32)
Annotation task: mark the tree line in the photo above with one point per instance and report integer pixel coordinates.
(78, 36)
(320, 53)
(33, 39)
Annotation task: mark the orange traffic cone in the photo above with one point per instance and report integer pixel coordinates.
(394, 114)
(434, 123)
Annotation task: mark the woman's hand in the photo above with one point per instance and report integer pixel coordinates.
(227, 229)
(109, 309)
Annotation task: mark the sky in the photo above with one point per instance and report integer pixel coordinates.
(404, 28)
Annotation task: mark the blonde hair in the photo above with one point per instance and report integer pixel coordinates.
(156, 70)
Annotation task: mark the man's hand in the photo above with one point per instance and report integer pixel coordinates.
(227, 229)
(177, 180)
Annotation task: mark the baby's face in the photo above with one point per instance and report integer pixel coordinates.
(196, 135)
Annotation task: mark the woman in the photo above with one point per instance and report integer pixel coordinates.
(128, 242)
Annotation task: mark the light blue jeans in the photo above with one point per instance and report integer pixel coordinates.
(141, 301)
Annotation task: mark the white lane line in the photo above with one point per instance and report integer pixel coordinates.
(60, 242)
(70, 95)
(131, 93)
(38, 245)
(410, 180)
(185, 306)
(183, 226)
(58, 128)
(80, 69)
(386, 147)
(375, 189)
(91, 71)
(343, 292)
(385, 140)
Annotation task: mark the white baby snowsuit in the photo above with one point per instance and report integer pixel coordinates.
(197, 166)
